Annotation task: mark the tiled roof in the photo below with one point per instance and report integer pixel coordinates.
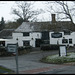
(42, 26)
(6, 33)
(24, 27)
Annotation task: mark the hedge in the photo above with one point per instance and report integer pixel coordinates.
(21, 50)
(49, 47)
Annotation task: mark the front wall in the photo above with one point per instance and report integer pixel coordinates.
(10, 41)
(54, 40)
(34, 36)
(18, 36)
(71, 36)
(31, 38)
(37, 35)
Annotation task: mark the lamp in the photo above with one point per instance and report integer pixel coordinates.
(17, 40)
(32, 38)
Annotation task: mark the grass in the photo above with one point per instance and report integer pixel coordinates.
(5, 70)
(56, 59)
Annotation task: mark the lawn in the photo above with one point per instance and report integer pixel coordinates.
(56, 59)
(4, 70)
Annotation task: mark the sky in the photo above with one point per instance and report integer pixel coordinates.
(6, 8)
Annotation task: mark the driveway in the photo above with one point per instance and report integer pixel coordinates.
(29, 62)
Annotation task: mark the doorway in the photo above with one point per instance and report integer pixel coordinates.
(37, 42)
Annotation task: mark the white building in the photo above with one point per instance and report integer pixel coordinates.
(64, 39)
(36, 33)
(35, 39)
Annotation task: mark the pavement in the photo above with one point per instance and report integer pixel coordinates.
(63, 70)
(29, 64)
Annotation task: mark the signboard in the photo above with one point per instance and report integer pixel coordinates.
(11, 48)
(56, 35)
(62, 51)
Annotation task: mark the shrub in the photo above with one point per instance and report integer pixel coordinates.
(56, 59)
(28, 47)
(24, 47)
(49, 47)
(2, 48)
(21, 50)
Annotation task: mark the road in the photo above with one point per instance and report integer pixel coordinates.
(29, 63)
(64, 70)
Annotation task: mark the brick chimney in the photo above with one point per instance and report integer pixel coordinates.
(53, 18)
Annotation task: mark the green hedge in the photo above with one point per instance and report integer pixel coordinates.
(24, 47)
(3, 51)
(49, 47)
(21, 50)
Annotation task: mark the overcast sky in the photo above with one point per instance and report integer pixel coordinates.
(5, 10)
(6, 7)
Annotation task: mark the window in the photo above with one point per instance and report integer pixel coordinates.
(45, 41)
(25, 33)
(64, 40)
(56, 35)
(66, 32)
(45, 35)
(2, 43)
(26, 43)
(70, 41)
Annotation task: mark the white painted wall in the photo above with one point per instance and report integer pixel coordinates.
(18, 36)
(22, 38)
(10, 41)
(71, 36)
(54, 40)
(37, 35)
(34, 35)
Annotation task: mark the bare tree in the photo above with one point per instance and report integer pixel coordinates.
(25, 10)
(64, 9)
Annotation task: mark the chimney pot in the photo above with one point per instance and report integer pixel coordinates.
(53, 18)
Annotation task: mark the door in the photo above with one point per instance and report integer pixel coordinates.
(45, 35)
(37, 42)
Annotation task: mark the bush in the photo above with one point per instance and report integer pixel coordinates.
(56, 59)
(24, 47)
(2, 48)
(49, 47)
(28, 47)
(3, 51)
(21, 50)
